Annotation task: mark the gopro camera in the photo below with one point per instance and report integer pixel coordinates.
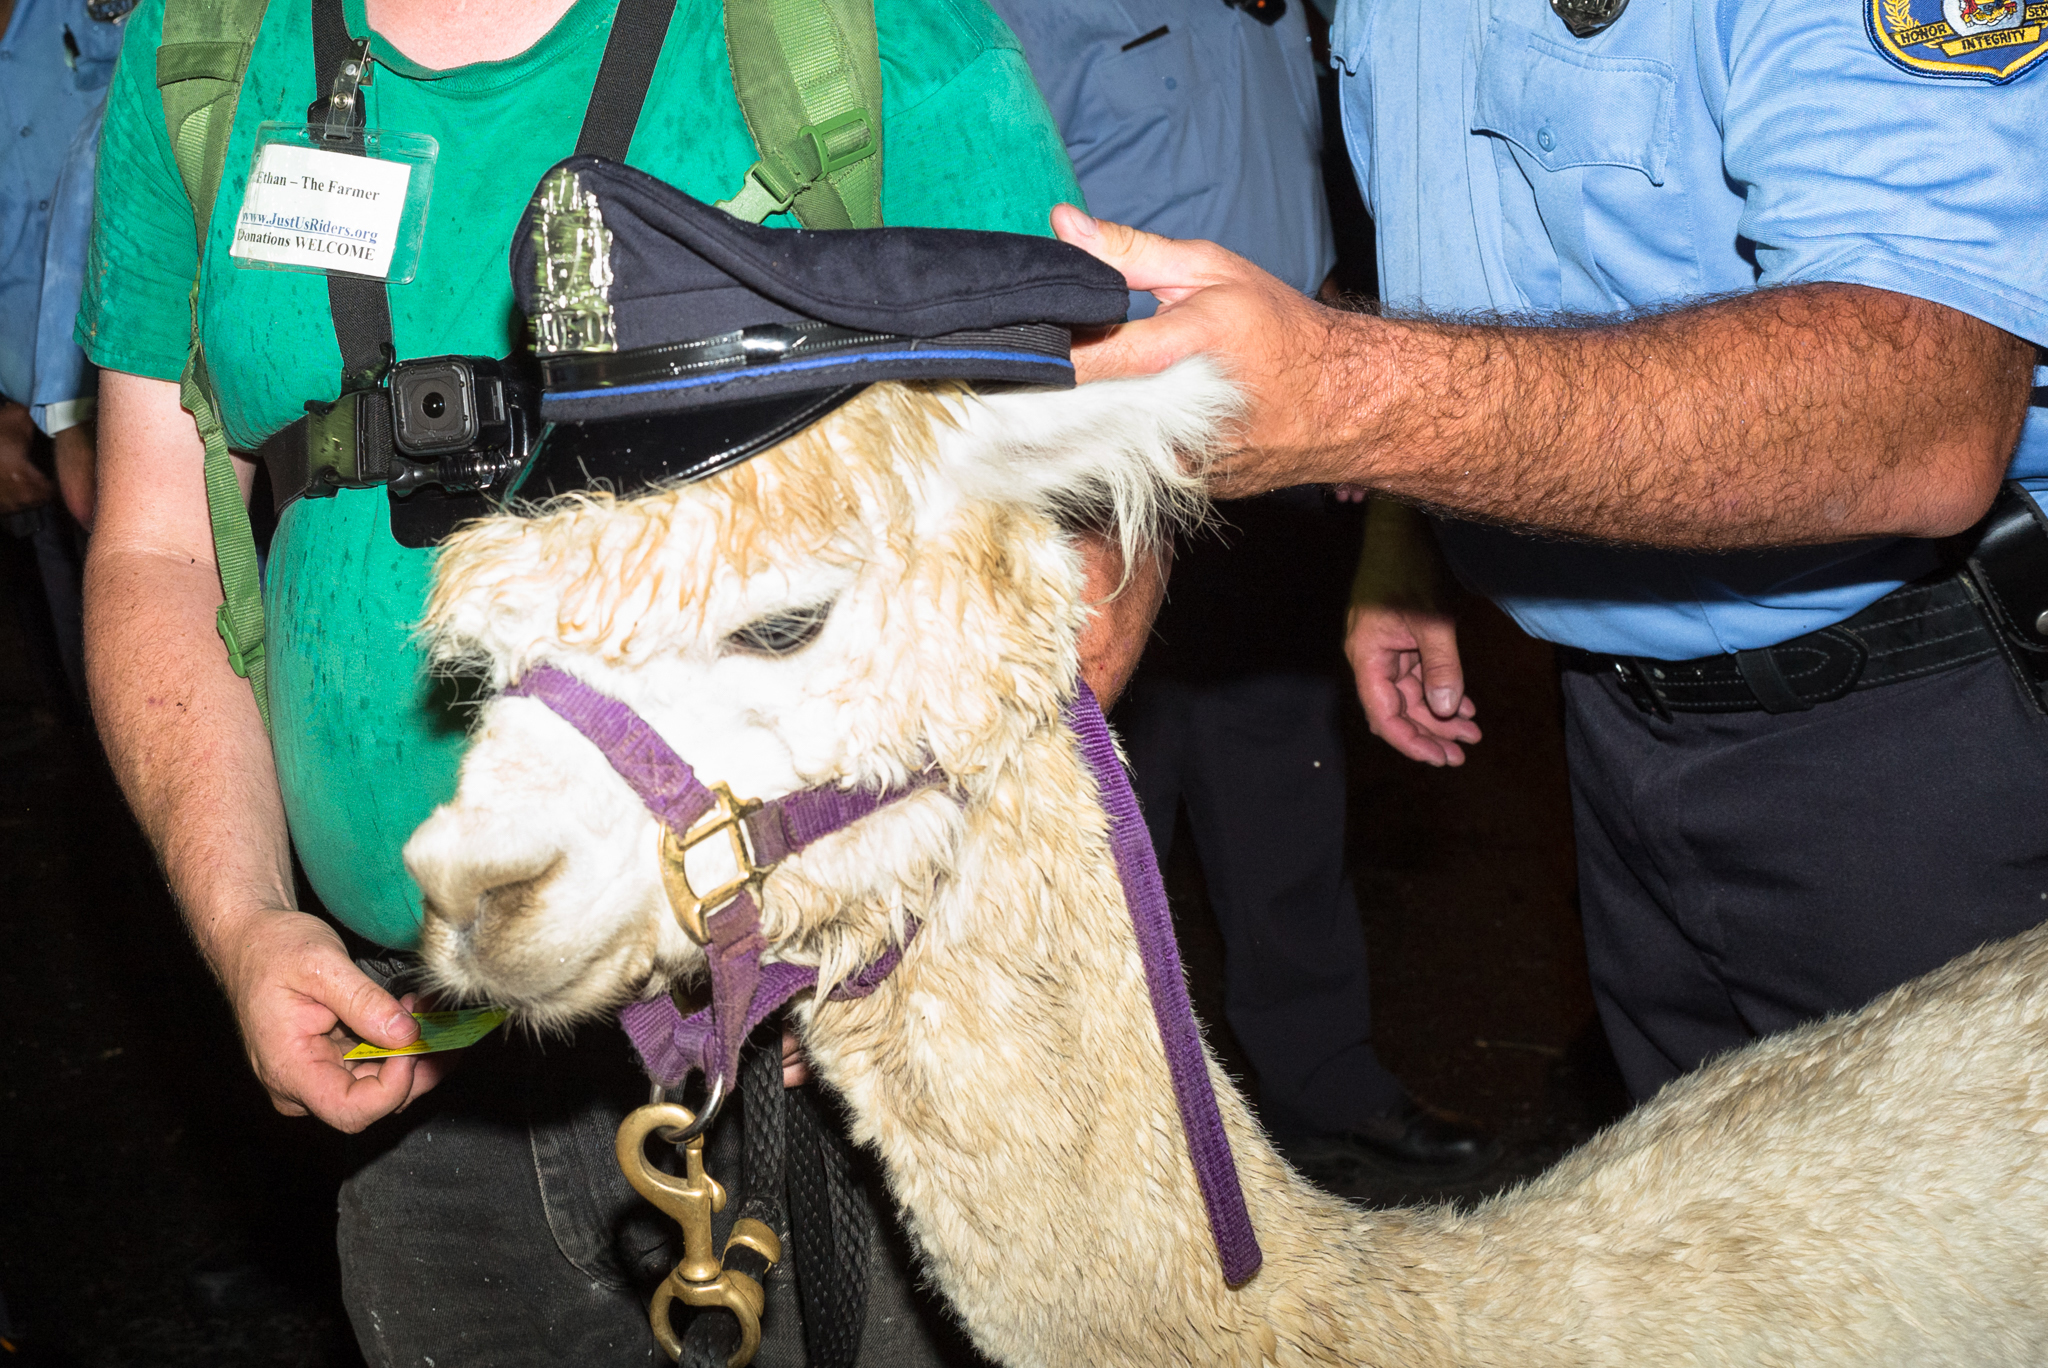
(462, 428)
(446, 404)
(464, 423)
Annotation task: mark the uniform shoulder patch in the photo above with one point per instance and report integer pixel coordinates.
(1971, 40)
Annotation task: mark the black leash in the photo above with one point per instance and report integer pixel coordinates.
(830, 1242)
(801, 1179)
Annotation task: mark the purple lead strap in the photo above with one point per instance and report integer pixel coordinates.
(1137, 868)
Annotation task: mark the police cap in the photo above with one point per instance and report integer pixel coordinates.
(675, 340)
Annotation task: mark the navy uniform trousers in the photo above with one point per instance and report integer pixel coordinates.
(1235, 712)
(1741, 873)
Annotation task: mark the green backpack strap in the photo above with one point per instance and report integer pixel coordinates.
(199, 69)
(809, 80)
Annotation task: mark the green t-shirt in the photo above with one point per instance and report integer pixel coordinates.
(367, 743)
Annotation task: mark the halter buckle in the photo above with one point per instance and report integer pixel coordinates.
(735, 873)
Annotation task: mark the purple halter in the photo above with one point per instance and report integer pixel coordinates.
(744, 991)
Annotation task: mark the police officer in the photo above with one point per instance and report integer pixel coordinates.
(55, 60)
(1195, 119)
(1706, 324)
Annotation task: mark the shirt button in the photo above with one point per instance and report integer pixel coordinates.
(1544, 139)
(43, 205)
(26, 130)
(1172, 84)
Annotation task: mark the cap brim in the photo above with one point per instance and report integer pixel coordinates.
(629, 455)
(784, 360)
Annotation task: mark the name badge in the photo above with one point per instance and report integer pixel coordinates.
(309, 207)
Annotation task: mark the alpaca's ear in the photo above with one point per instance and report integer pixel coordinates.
(1123, 452)
(491, 599)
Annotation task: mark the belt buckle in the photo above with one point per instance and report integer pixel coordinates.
(727, 818)
(1641, 689)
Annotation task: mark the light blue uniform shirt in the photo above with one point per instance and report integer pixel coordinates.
(48, 87)
(63, 375)
(1209, 130)
(1697, 147)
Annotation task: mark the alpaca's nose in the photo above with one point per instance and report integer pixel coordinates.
(468, 865)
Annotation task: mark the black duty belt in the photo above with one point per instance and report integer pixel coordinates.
(1994, 604)
(2008, 567)
(1928, 626)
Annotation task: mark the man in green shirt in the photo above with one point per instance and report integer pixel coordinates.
(365, 743)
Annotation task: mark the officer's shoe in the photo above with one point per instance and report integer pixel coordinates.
(1412, 1139)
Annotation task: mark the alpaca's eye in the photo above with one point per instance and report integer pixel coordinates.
(780, 633)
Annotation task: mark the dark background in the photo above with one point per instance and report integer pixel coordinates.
(154, 1209)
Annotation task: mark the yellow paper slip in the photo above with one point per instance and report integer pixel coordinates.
(439, 1031)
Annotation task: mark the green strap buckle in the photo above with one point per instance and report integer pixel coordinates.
(772, 184)
(241, 658)
(818, 133)
(757, 198)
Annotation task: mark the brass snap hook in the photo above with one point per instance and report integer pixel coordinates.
(699, 1278)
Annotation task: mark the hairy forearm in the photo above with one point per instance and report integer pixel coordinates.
(1808, 414)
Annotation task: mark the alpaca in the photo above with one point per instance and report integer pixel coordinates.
(894, 588)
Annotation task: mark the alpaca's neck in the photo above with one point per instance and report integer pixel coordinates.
(1795, 1204)
(1013, 1079)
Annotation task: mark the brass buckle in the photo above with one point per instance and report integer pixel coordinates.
(728, 817)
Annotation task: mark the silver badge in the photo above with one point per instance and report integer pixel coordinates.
(1587, 17)
(572, 271)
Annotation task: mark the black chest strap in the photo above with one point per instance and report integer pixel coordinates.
(348, 444)
(361, 306)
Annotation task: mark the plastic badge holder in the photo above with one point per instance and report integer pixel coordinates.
(310, 207)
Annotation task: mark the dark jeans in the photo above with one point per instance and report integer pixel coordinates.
(1742, 873)
(491, 1228)
(47, 554)
(1259, 761)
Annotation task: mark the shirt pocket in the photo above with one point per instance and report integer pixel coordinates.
(1152, 74)
(1591, 184)
(1150, 135)
(1564, 108)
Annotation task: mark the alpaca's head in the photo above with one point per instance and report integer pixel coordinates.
(890, 588)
